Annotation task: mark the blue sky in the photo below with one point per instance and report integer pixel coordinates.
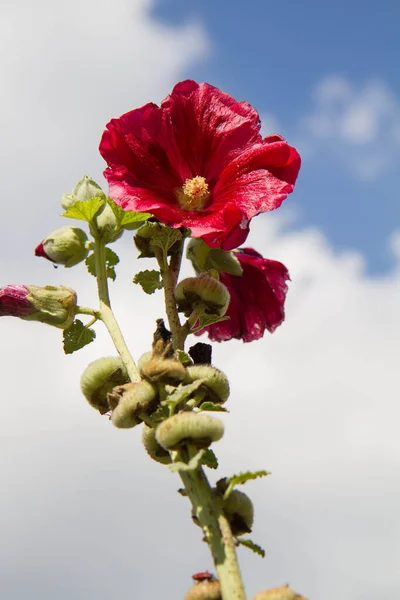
(274, 54)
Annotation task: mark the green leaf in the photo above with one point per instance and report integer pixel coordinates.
(85, 210)
(183, 357)
(149, 280)
(161, 413)
(112, 259)
(210, 406)
(205, 320)
(127, 219)
(89, 262)
(183, 391)
(209, 459)
(165, 238)
(77, 336)
(252, 546)
(241, 478)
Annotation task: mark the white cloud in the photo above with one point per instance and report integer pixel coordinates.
(84, 514)
(358, 124)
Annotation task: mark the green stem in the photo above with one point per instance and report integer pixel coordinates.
(170, 274)
(208, 510)
(106, 314)
(206, 505)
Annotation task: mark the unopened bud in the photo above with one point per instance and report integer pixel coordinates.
(153, 448)
(239, 511)
(65, 246)
(207, 589)
(216, 384)
(205, 258)
(99, 378)
(281, 593)
(189, 428)
(52, 305)
(129, 401)
(203, 290)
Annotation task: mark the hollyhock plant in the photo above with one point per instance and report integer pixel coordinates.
(198, 161)
(257, 298)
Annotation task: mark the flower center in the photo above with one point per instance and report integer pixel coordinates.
(194, 194)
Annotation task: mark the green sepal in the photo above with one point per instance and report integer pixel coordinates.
(160, 414)
(77, 336)
(224, 262)
(193, 464)
(211, 407)
(251, 546)
(85, 210)
(150, 281)
(183, 357)
(242, 478)
(205, 320)
(182, 392)
(112, 259)
(128, 219)
(209, 459)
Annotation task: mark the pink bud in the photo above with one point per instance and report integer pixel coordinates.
(14, 301)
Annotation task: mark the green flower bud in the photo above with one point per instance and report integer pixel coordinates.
(216, 384)
(205, 590)
(239, 511)
(52, 305)
(128, 401)
(205, 258)
(203, 290)
(85, 189)
(65, 246)
(99, 378)
(281, 593)
(107, 225)
(153, 448)
(189, 428)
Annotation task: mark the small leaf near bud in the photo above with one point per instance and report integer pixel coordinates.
(189, 428)
(281, 593)
(111, 258)
(77, 336)
(128, 401)
(153, 448)
(149, 281)
(251, 546)
(155, 235)
(99, 378)
(128, 219)
(203, 291)
(205, 589)
(65, 246)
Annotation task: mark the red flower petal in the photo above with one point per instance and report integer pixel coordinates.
(198, 131)
(257, 299)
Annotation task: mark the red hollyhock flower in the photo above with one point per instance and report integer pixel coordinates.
(198, 161)
(257, 299)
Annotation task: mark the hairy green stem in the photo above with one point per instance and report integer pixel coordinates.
(206, 505)
(170, 274)
(106, 314)
(208, 509)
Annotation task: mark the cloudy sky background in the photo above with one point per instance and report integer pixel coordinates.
(83, 513)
